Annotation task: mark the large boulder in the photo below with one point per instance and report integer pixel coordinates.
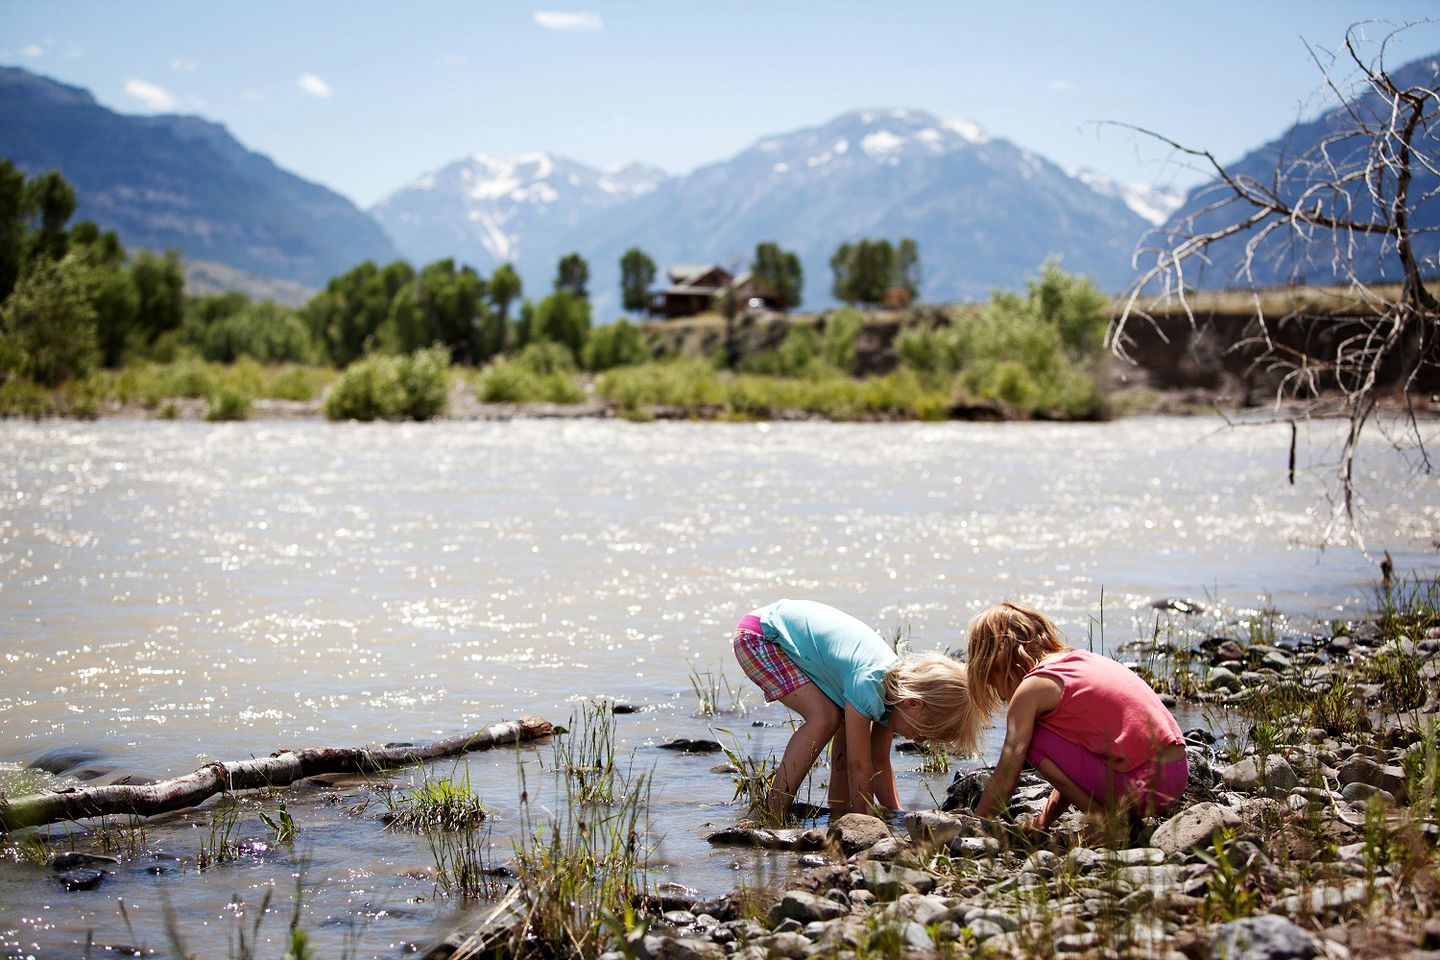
(1194, 827)
(1266, 937)
(1269, 774)
(858, 831)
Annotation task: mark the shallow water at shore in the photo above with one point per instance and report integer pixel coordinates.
(174, 592)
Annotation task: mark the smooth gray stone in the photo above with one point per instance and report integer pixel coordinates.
(806, 908)
(858, 831)
(924, 909)
(1271, 774)
(1194, 827)
(938, 827)
(1003, 920)
(1358, 792)
(1266, 937)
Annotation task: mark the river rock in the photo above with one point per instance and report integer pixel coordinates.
(1271, 773)
(72, 860)
(682, 745)
(679, 948)
(891, 848)
(858, 831)
(939, 827)
(1006, 922)
(1362, 769)
(889, 881)
(81, 879)
(61, 759)
(1266, 937)
(788, 944)
(787, 839)
(1361, 793)
(806, 908)
(1228, 650)
(1222, 678)
(965, 790)
(1323, 901)
(1194, 827)
(924, 909)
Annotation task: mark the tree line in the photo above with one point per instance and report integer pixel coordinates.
(72, 300)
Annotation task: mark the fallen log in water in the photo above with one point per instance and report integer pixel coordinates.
(280, 769)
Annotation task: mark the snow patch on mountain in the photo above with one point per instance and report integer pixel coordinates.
(1152, 204)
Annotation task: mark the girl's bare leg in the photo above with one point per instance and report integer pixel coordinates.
(1066, 794)
(820, 719)
(839, 776)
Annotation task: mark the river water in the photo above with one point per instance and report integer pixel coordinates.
(177, 592)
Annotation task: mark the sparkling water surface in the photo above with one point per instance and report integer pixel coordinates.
(172, 593)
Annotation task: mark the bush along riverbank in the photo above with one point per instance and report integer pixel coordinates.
(1308, 829)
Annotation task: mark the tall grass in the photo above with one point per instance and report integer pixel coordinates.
(584, 861)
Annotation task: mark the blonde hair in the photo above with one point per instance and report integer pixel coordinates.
(938, 682)
(1006, 642)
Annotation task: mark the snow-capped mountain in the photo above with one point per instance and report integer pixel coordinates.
(486, 211)
(1152, 204)
(985, 212)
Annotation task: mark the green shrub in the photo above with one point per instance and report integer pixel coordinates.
(842, 329)
(392, 388)
(228, 403)
(621, 344)
(515, 381)
(265, 331)
(425, 378)
(546, 357)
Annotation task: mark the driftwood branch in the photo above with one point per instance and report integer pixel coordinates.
(280, 769)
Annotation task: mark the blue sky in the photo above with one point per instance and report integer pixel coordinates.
(365, 96)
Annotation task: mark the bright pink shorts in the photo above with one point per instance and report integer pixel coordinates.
(1150, 787)
(765, 663)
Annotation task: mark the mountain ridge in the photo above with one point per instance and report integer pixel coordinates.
(175, 180)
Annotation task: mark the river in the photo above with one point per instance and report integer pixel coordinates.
(174, 592)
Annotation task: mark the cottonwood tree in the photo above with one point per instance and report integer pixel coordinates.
(1359, 200)
(637, 272)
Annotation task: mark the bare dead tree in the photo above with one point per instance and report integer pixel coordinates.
(1347, 201)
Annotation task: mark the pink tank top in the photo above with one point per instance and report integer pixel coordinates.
(1107, 709)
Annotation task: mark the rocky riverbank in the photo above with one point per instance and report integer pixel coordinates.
(1308, 829)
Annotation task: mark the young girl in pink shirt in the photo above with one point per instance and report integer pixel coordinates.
(1084, 722)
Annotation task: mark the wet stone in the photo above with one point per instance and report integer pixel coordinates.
(787, 944)
(81, 879)
(71, 860)
(683, 745)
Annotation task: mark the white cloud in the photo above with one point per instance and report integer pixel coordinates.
(569, 20)
(184, 66)
(313, 85)
(153, 96)
(1060, 86)
(34, 50)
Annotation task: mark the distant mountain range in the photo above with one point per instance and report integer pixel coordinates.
(1287, 258)
(985, 212)
(183, 182)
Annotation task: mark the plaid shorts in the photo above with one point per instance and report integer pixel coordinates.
(765, 663)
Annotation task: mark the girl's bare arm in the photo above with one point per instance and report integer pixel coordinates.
(1034, 696)
(859, 759)
(886, 794)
